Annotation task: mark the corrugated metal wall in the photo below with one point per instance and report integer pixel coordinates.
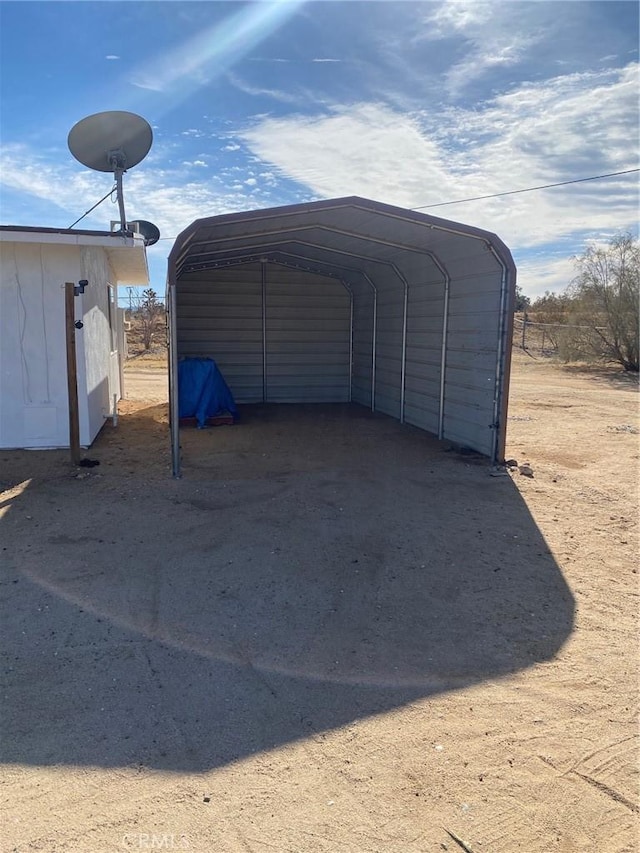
(424, 350)
(308, 328)
(220, 316)
(474, 315)
(307, 321)
(364, 307)
(389, 347)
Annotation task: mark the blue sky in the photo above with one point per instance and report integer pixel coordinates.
(260, 104)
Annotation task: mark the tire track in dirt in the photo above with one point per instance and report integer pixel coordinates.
(613, 771)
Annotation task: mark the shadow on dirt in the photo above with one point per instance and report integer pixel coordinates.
(316, 565)
(613, 377)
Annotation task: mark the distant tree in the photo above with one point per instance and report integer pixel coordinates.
(552, 311)
(551, 308)
(150, 316)
(605, 302)
(522, 302)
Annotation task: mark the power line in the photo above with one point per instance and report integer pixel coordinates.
(527, 189)
(509, 192)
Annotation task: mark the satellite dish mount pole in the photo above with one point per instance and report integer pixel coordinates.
(118, 160)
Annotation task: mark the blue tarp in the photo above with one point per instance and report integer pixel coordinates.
(202, 391)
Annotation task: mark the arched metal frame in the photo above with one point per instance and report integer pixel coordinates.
(294, 244)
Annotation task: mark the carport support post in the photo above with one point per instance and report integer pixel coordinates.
(72, 371)
(443, 356)
(403, 365)
(373, 350)
(374, 291)
(505, 336)
(174, 410)
(350, 344)
(263, 283)
(403, 377)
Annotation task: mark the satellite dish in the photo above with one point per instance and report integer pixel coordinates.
(111, 142)
(148, 231)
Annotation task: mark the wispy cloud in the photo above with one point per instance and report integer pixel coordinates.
(351, 150)
(27, 171)
(492, 32)
(262, 92)
(536, 134)
(538, 275)
(170, 198)
(254, 104)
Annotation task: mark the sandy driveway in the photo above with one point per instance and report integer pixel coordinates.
(150, 385)
(331, 635)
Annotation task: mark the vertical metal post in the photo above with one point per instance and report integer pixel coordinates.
(374, 333)
(123, 219)
(403, 370)
(499, 403)
(263, 281)
(403, 366)
(443, 355)
(351, 346)
(72, 372)
(174, 410)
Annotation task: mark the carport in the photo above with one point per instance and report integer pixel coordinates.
(349, 300)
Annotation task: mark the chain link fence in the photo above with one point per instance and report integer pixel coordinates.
(543, 339)
(566, 341)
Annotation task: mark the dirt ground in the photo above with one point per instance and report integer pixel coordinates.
(333, 634)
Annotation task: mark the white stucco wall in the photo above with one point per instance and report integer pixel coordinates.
(98, 347)
(33, 366)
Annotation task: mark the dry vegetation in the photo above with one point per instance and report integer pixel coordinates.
(142, 329)
(596, 318)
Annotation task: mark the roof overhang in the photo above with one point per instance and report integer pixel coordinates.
(127, 254)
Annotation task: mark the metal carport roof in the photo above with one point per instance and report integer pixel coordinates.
(369, 246)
